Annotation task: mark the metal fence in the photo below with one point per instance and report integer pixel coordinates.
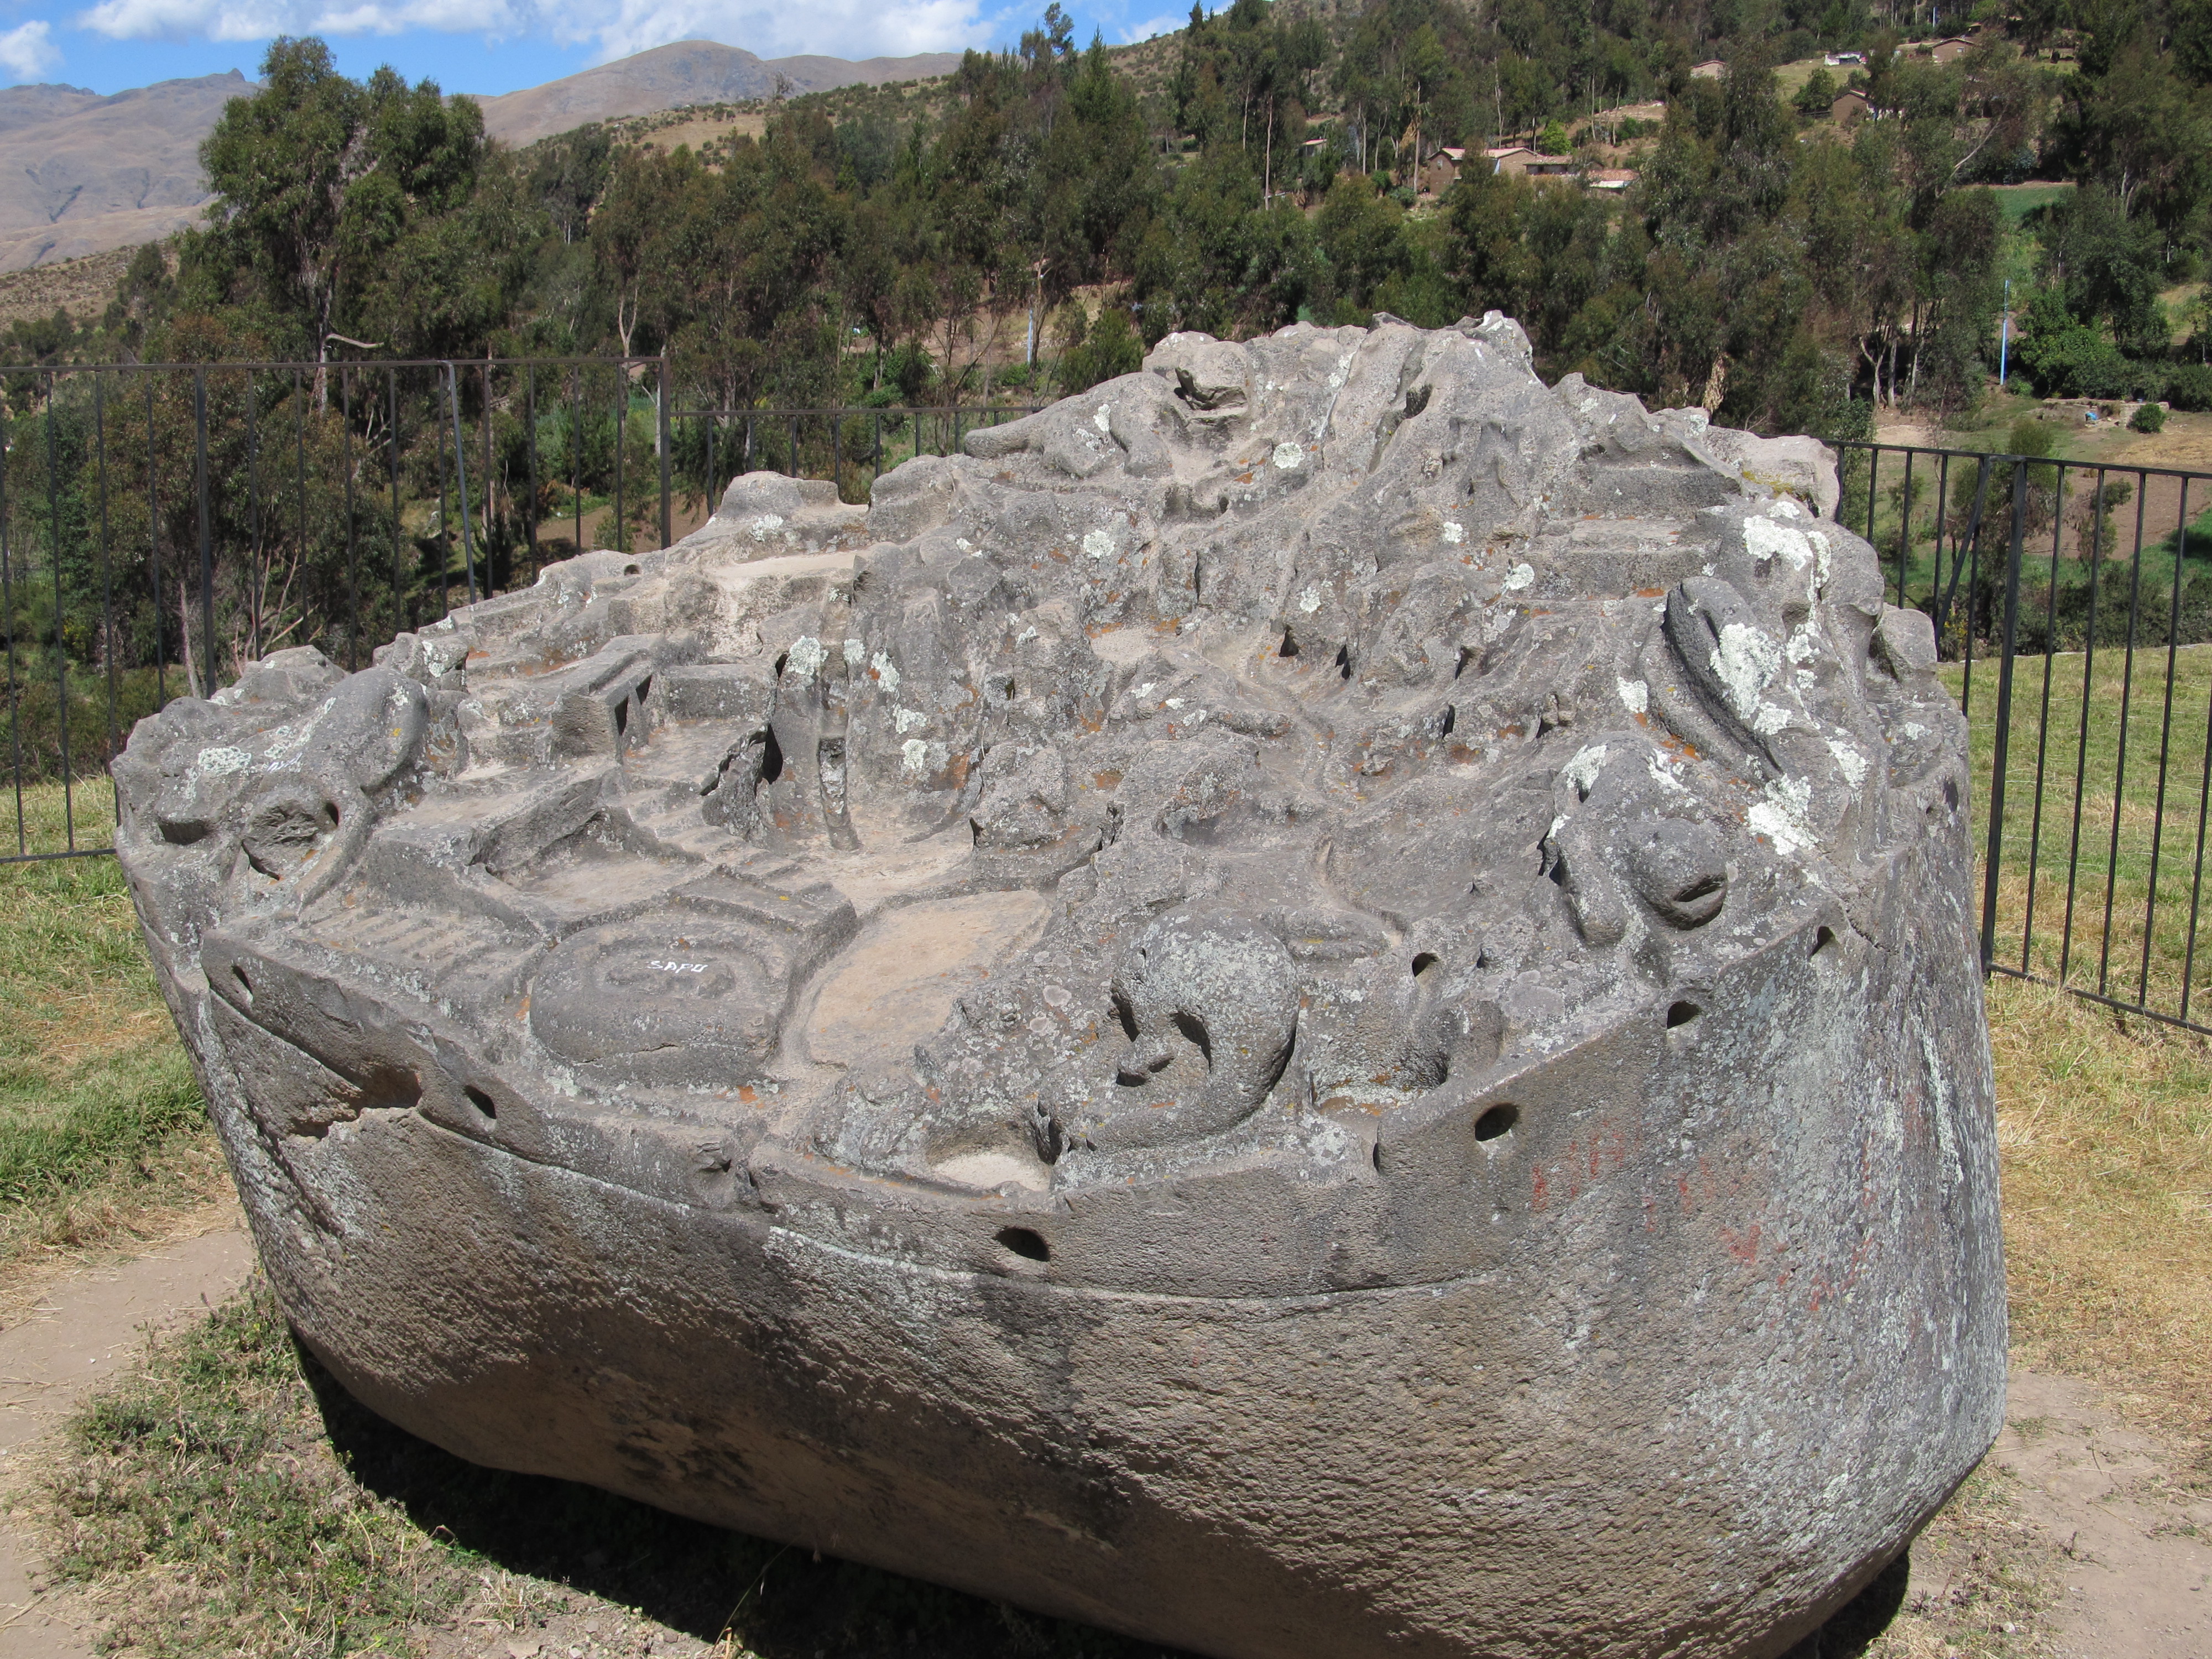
(2070, 582)
(163, 525)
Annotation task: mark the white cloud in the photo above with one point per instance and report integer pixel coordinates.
(613, 28)
(26, 52)
(1151, 27)
(835, 28)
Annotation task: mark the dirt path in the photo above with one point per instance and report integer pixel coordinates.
(88, 1327)
(2111, 1520)
(2132, 1531)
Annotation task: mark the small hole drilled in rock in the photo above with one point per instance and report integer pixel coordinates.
(1344, 661)
(1497, 1121)
(480, 1101)
(1681, 1013)
(630, 570)
(1450, 720)
(1026, 1243)
(244, 983)
(1822, 940)
(1423, 962)
(1290, 646)
(771, 758)
(782, 663)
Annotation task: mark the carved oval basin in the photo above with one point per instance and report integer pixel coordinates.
(1320, 1003)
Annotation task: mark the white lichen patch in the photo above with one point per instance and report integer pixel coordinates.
(1102, 418)
(1520, 576)
(1635, 695)
(1582, 771)
(887, 673)
(1745, 661)
(1099, 543)
(1309, 601)
(917, 755)
(1781, 816)
(1763, 538)
(805, 657)
(1849, 762)
(220, 762)
(1288, 455)
(1454, 533)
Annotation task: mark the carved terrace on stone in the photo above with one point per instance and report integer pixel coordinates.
(1319, 1003)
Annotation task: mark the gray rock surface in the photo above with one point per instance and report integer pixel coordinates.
(1320, 1003)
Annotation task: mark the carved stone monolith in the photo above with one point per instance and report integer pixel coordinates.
(1320, 1004)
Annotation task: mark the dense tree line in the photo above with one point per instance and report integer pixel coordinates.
(1025, 229)
(1768, 263)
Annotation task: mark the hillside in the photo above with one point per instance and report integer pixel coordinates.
(87, 173)
(689, 72)
(90, 174)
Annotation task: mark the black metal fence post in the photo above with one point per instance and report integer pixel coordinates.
(460, 481)
(61, 609)
(400, 614)
(154, 553)
(660, 415)
(2003, 718)
(7, 626)
(530, 430)
(108, 650)
(352, 548)
(207, 536)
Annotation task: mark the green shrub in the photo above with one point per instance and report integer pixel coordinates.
(1818, 93)
(2148, 418)
(1108, 347)
(2190, 388)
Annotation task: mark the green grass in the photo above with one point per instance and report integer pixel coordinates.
(200, 1485)
(2018, 201)
(97, 1102)
(2134, 860)
(229, 1499)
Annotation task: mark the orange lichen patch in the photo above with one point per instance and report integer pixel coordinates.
(1105, 780)
(1650, 592)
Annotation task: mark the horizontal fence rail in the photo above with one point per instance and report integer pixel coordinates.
(2070, 585)
(164, 525)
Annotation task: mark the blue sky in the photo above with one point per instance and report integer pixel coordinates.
(497, 46)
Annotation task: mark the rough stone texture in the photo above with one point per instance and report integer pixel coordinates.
(1320, 1003)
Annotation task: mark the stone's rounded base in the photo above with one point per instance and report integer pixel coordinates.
(1319, 1004)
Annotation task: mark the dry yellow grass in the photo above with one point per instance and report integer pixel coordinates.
(2104, 1130)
